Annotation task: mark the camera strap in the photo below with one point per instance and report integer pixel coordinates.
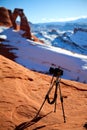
(54, 97)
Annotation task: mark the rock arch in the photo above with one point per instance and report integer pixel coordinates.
(24, 25)
(8, 19)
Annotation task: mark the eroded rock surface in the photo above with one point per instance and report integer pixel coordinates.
(22, 92)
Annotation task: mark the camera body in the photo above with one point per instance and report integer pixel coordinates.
(56, 71)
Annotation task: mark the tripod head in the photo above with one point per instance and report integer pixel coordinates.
(56, 71)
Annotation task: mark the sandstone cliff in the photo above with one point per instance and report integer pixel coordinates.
(4, 17)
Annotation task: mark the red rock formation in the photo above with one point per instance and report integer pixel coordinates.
(10, 16)
(22, 92)
(4, 17)
(34, 38)
(24, 25)
(7, 18)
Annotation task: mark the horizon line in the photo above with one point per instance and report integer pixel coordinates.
(45, 20)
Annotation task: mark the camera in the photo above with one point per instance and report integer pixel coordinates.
(56, 71)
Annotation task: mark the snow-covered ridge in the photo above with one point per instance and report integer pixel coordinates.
(41, 57)
(69, 40)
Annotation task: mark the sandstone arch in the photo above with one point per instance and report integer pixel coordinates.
(8, 18)
(24, 22)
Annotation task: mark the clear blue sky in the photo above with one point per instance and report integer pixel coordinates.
(38, 11)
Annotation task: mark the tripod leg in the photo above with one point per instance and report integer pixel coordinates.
(40, 108)
(52, 84)
(55, 105)
(61, 98)
(56, 97)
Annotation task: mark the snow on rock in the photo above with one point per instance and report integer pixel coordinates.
(80, 38)
(72, 41)
(41, 57)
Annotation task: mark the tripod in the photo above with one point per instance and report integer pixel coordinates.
(54, 83)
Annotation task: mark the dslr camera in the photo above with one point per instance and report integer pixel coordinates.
(56, 71)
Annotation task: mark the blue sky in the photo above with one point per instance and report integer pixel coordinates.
(38, 11)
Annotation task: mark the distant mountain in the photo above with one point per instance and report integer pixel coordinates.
(63, 26)
(80, 20)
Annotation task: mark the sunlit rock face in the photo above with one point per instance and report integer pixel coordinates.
(4, 17)
(22, 93)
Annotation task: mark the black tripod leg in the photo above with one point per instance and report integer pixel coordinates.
(61, 98)
(55, 105)
(56, 97)
(52, 84)
(40, 108)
